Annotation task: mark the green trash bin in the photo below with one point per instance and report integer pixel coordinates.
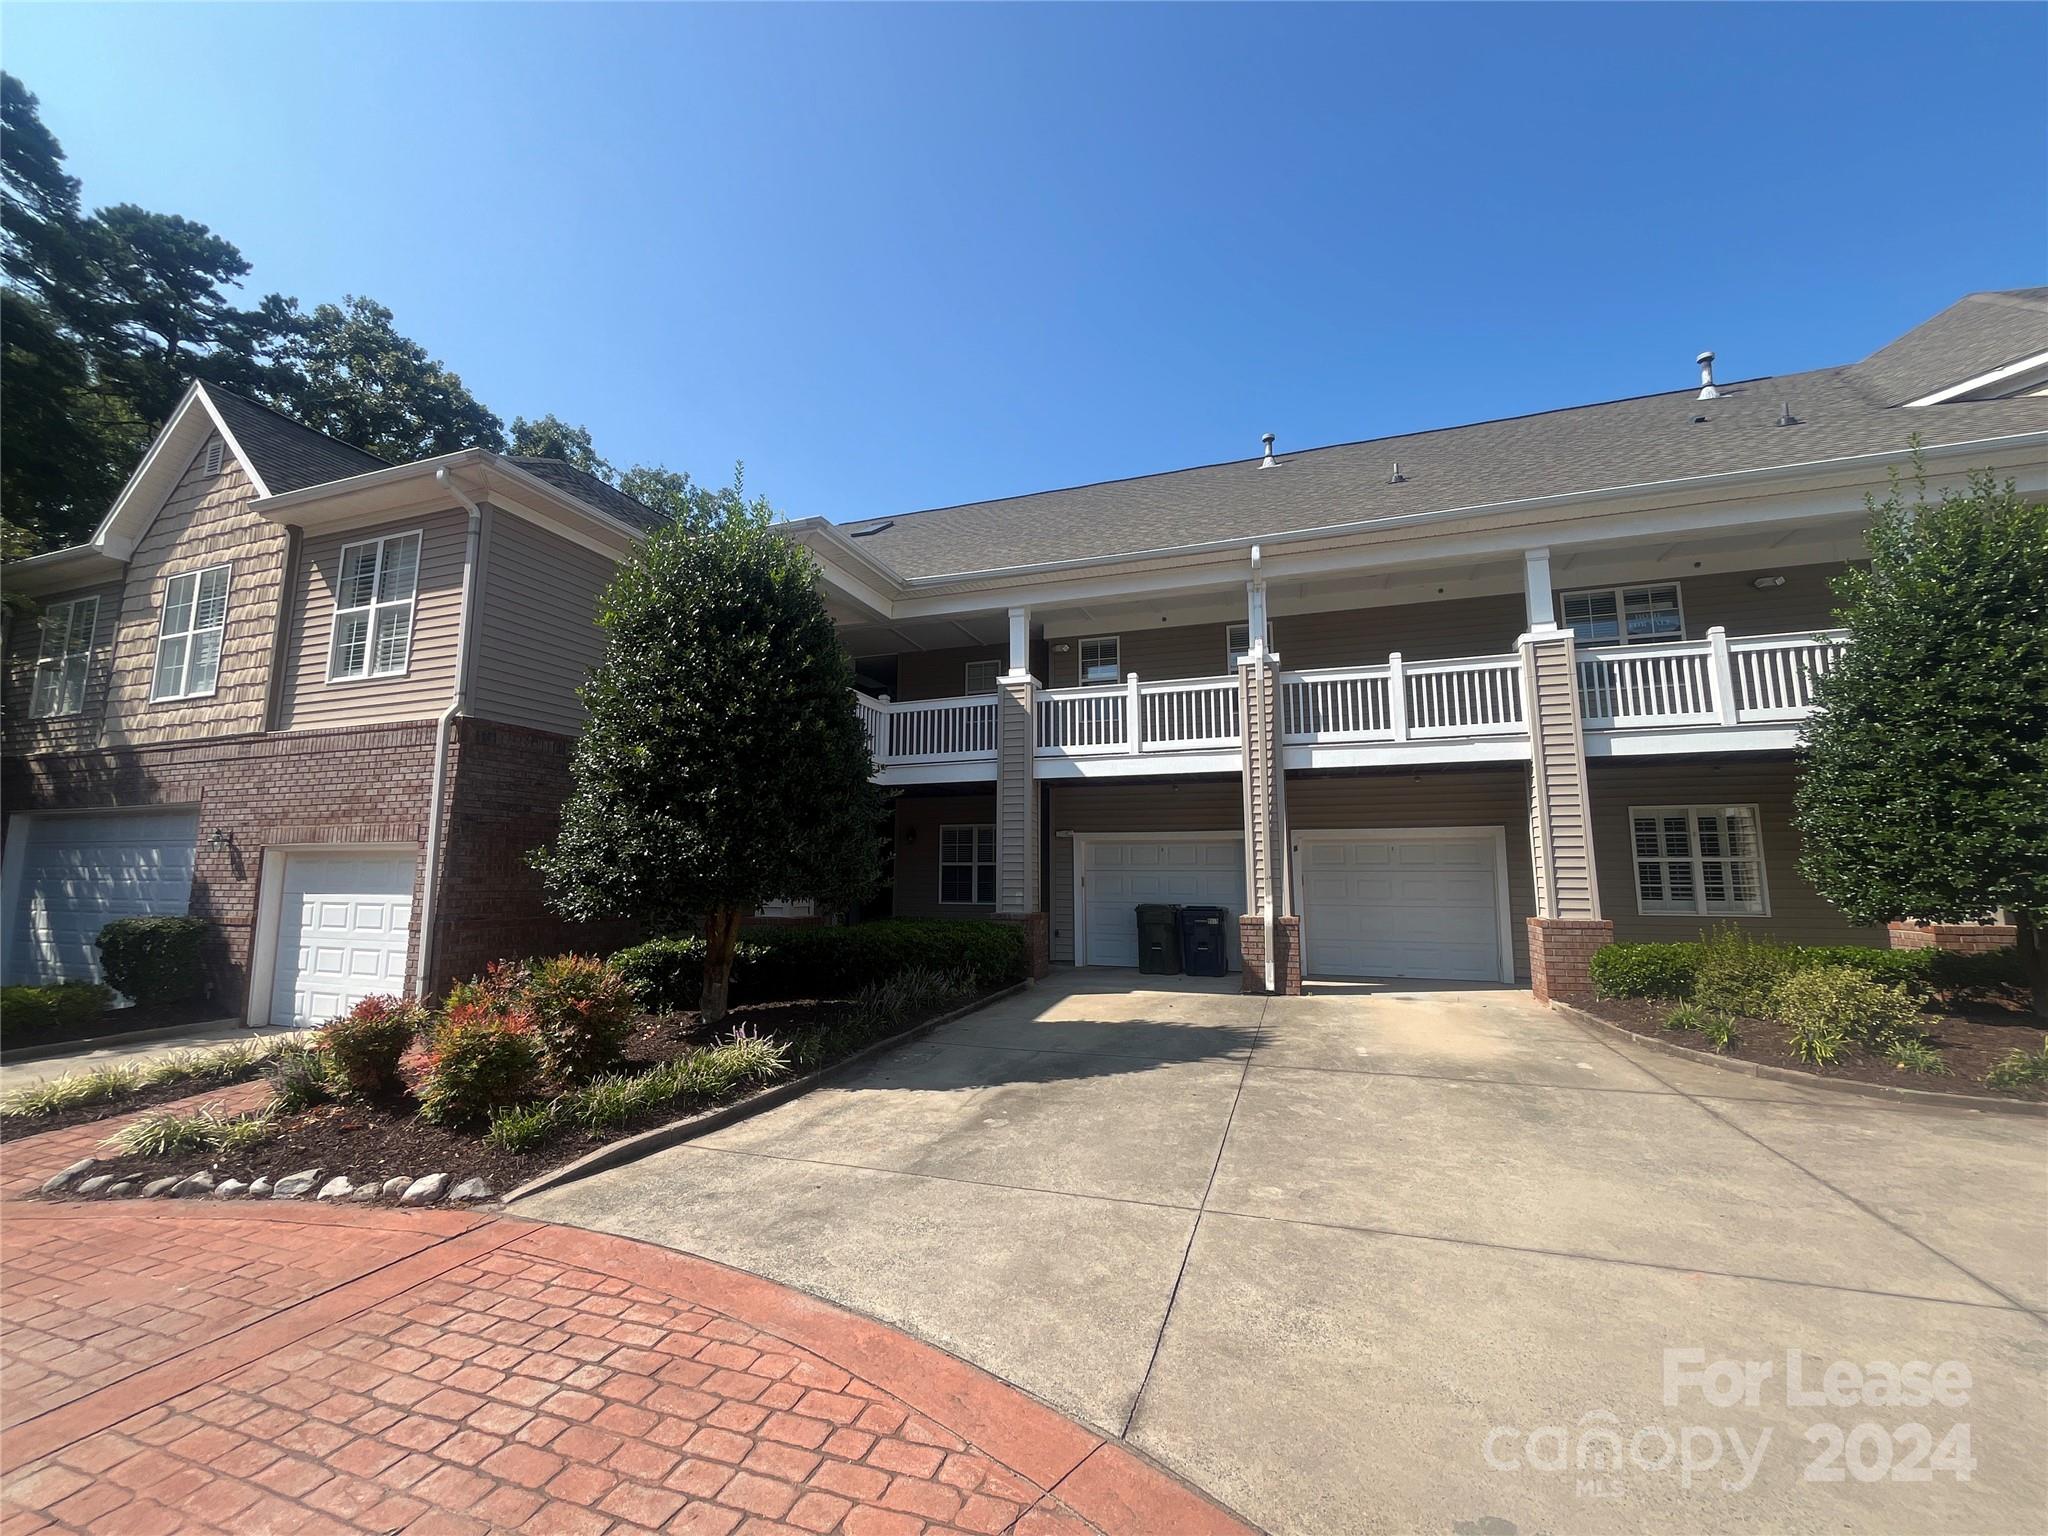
(1158, 939)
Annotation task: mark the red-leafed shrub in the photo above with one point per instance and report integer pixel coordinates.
(363, 1047)
(583, 1010)
(479, 1058)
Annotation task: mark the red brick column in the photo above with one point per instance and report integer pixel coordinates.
(1251, 943)
(1037, 928)
(1561, 956)
(1960, 938)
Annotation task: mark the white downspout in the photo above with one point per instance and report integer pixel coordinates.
(443, 728)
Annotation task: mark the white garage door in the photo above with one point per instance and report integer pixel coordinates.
(342, 926)
(72, 874)
(1386, 906)
(1117, 875)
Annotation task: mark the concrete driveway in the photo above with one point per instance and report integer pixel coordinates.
(1413, 1261)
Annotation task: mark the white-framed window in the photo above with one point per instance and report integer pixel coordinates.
(1099, 663)
(64, 658)
(188, 635)
(1237, 644)
(1694, 860)
(373, 603)
(967, 866)
(981, 677)
(1624, 615)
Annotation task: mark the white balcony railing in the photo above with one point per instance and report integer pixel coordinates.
(929, 730)
(1403, 700)
(1716, 681)
(1183, 716)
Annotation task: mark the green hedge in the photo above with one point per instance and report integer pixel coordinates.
(773, 964)
(154, 959)
(65, 1011)
(1669, 970)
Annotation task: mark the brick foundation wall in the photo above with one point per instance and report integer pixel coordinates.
(1962, 938)
(347, 786)
(1037, 928)
(1561, 957)
(506, 785)
(1251, 943)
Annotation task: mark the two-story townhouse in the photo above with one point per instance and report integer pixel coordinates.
(323, 701)
(1459, 705)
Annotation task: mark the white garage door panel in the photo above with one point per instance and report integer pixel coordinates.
(342, 930)
(1117, 876)
(78, 873)
(1423, 908)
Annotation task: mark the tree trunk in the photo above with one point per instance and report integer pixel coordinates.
(2033, 941)
(721, 937)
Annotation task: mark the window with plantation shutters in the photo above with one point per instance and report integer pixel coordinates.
(373, 608)
(189, 634)
(1623, 615)
(1693, 860)
(64, 658)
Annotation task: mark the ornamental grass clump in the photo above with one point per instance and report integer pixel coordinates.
(164, 1133)
(73, 1089)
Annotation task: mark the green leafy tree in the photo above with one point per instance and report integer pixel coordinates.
(553, 438)
(345, 370)
(722, 764)
(1926, 793)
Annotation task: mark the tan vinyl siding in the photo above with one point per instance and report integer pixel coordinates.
(1184, 805)
(918, 819)
(942, 674)
(1559, 776)
(1798, 914)
(1364, 637)
(1492, 797)
(537, 638)
(308, 700)
(59, 733)
(1734, 601)
(205, 522)
(1161, 653)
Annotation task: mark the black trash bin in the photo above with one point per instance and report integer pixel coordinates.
(1202, 949)
(1158, 939)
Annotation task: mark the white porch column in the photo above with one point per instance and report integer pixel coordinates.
(1542, 607)
(1020, 642)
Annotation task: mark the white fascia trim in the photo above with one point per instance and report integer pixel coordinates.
(1639, 489)
(161, 448)
(220, 425)
(1997, 376)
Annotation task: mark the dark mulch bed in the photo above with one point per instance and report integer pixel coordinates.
(1972, 1038)
(12, 1129)
(364, 1141)
(116, 1021)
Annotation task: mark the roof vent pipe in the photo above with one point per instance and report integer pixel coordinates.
(1707, 390)
(1270, 462)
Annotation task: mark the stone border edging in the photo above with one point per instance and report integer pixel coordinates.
(632, 1148)
(1926, 1098)
(33, 1053)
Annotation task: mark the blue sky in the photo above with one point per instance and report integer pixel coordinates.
(895, 258)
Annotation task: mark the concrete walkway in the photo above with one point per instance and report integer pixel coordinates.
(262, 1368)
(1385, 1261)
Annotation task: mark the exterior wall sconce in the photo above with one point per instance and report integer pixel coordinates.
(1765, 583)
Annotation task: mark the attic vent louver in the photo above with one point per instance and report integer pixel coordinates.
(1707, 390)
(215, 456)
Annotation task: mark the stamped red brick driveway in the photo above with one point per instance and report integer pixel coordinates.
(297, 1368)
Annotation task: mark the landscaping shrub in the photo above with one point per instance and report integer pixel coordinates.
(479, 1058)
(63, 1011)
(363, 1047)
(1645, 970)
(2022, 1069)
(1738, 972)
(773, 964)
(582, 1009)
(1974, 975)
(154, 959)
(1837, 1000)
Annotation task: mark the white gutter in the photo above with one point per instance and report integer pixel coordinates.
(443, 729)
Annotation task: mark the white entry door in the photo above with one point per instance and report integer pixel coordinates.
(1117, 874)
(343, 922)
(71, 875)
(1423, 906)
